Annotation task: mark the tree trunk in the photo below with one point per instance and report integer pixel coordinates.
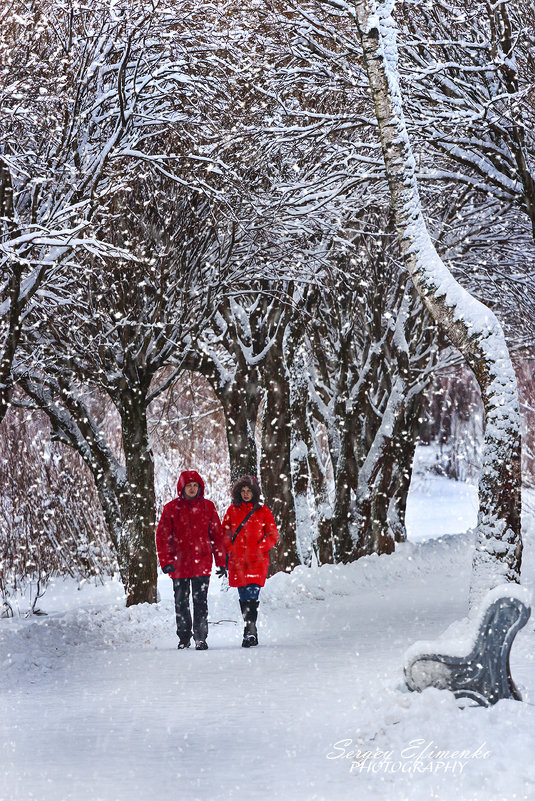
(387, 505)
(240, 406)
(369, 494)
(467, 323)
(344, 473)
(324, 542)
(381, 536)
(275, 460)
(11, 336)
(238, 394)
(389, 498)
(400, 482)
(138, 503)
(340, 426)
(298, 446)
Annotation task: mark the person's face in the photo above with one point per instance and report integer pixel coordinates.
(191, 489)
(246, 494)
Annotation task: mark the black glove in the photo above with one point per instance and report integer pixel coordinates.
(168, 569)
(221, 572)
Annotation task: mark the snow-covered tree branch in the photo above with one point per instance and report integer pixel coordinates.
(472, 327)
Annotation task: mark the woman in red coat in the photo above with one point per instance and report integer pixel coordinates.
(188, 535)
(249, 531)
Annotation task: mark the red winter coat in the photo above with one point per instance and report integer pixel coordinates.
(189, 532)
(248, 560)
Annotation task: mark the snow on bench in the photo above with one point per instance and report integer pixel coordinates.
(475, 663)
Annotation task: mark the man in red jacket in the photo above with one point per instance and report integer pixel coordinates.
(188, 534)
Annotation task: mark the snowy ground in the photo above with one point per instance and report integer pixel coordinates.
(98, 705)
(438, 506)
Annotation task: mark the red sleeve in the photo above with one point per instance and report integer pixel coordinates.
(271, 534)
(227, 531)
(164, 538)
(216, 537)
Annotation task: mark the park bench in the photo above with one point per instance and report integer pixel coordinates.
(483, 674)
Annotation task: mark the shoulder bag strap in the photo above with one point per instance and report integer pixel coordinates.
(243, 522)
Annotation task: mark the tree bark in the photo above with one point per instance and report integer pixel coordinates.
(468, 324)
(340, 434)
(238, 393)
(324, 540)
(379, 457)
(239, 400)
(400, 479)
(390, 493)
(275, 459)
(138, 504)
(345, 471)
(298, 445)
(12, 334)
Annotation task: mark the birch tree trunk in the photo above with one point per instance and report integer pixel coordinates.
(468, 324)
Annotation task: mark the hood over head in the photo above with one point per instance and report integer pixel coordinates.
(246, 481)
(185, 478)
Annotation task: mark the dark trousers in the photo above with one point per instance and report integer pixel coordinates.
(199, 592)
(249, 592)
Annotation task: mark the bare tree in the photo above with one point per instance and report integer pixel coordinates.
(63, 76)
(134, 98)
(469, 95)
(116, 331)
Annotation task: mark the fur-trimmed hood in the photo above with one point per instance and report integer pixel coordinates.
(246, 481)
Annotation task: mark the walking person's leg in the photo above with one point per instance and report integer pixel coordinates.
(199, 589)
(182, 611)
(249, 608)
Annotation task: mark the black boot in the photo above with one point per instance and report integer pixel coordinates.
(249, 610)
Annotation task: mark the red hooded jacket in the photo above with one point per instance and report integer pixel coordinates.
(189, 532)
(248, 561)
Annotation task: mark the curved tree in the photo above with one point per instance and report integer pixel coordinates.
(469, 325)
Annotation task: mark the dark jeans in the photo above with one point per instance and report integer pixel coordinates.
(249, 592)
(199, 591)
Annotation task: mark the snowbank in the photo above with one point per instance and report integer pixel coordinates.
(411, 562)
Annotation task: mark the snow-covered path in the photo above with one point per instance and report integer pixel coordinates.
(99, 705)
